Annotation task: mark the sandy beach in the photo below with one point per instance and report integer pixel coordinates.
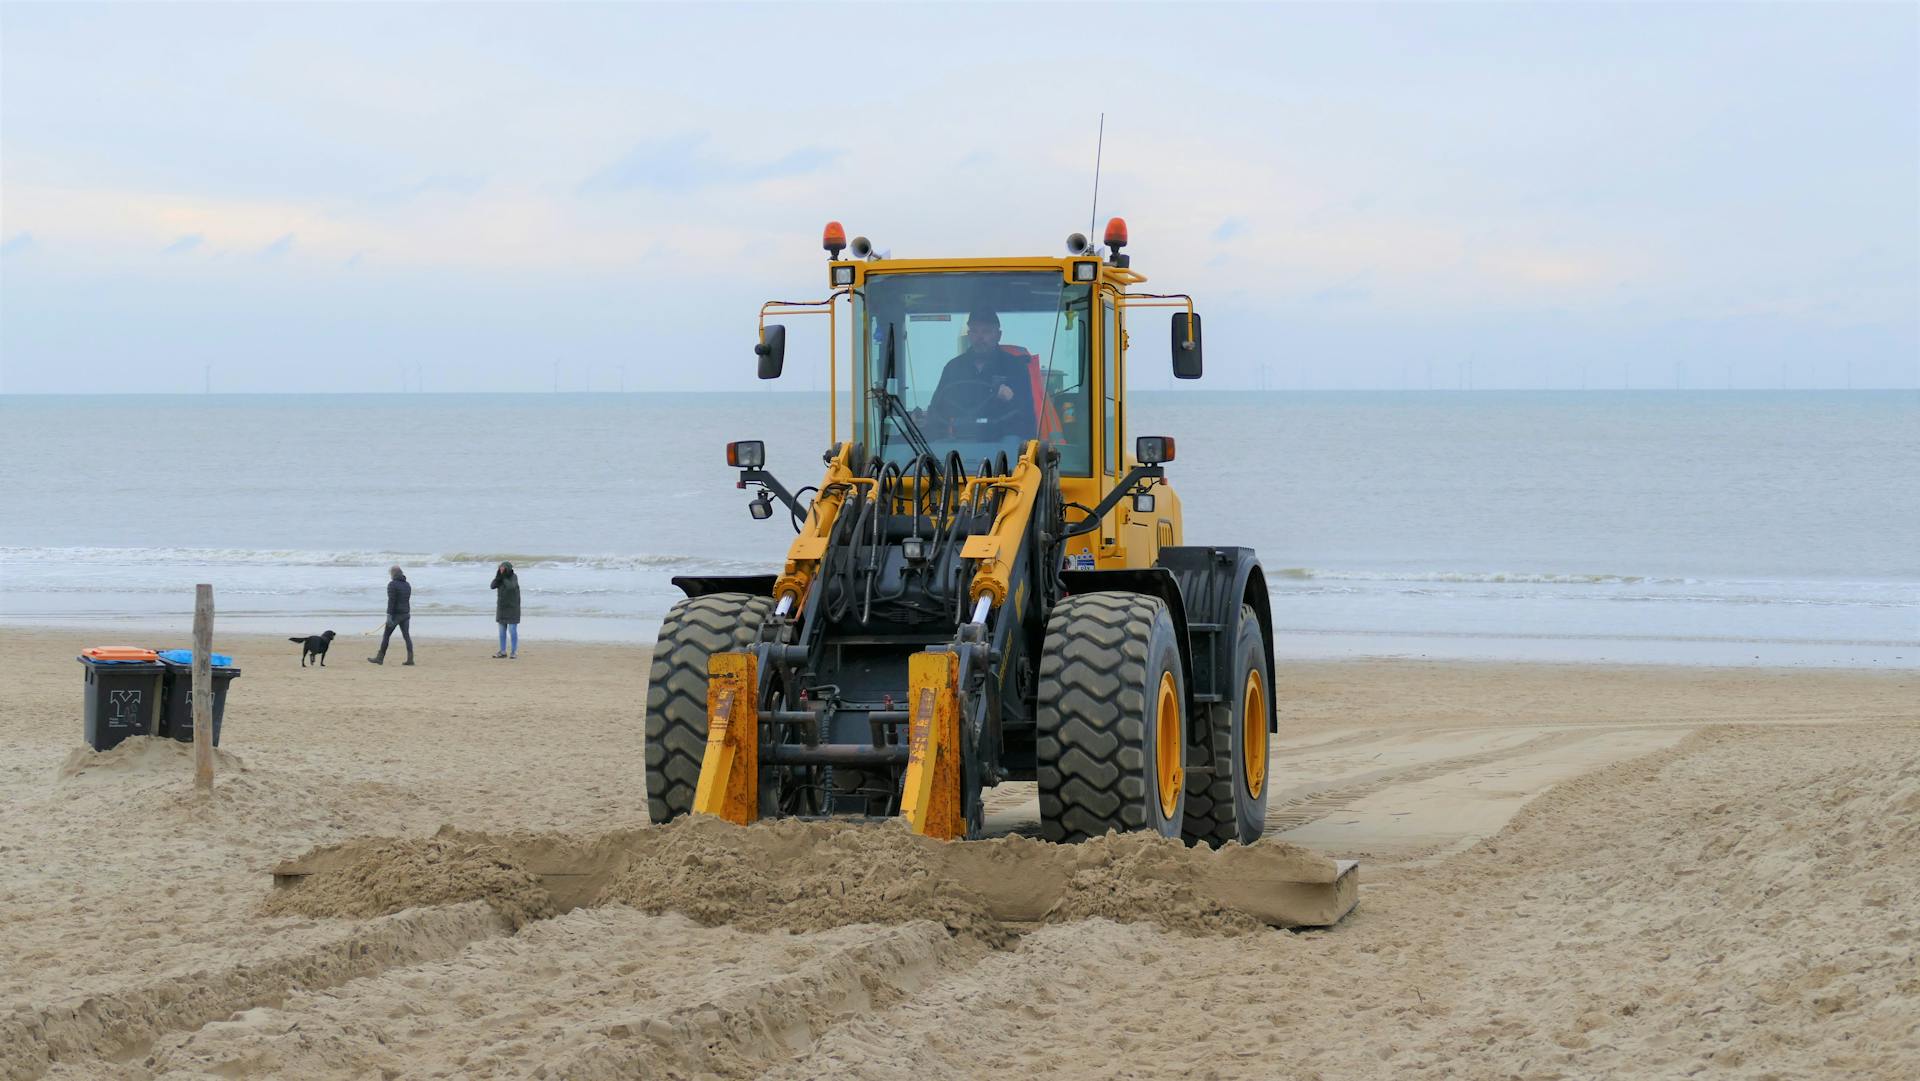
(1569, 871)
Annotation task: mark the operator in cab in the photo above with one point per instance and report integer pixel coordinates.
(986, 393)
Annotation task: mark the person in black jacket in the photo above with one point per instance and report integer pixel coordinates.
(399, 614)
(506, 609)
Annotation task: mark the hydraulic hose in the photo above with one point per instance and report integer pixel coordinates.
(840, 564)
(886, 478)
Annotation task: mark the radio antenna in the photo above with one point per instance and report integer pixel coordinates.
(1100, 145)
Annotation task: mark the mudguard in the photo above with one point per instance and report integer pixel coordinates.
(1154, 582)
(1215, 582)
(755, 585)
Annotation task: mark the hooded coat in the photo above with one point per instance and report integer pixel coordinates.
(399, 599)
(506, 602)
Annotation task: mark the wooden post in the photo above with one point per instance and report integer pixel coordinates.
(203, 687)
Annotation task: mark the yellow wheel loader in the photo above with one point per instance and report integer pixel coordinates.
(989, 583)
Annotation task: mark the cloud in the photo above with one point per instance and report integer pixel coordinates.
(17, 244)
(1229, 229)
(681, 163)
(450, 183)
(438, 184)
(519, 230)
(1355, 290)
(183, 245)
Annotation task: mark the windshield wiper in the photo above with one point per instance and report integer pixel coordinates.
(892, 407)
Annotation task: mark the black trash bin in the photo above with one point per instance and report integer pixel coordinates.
(176, 710)
(123, 698)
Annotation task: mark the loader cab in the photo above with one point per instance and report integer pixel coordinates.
(919, 386)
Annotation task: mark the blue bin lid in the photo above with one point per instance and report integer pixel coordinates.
(185, 656)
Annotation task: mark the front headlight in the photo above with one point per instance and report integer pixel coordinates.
(747, 454)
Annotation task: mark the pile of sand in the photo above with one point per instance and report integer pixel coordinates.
(797, 876)
(157, 756)
(378, 877)
(809, 876)
(1133, 877)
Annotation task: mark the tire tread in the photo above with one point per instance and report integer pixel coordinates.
(676, 720)
(1092, 715)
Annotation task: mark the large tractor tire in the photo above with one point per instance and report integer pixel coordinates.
(1111, 718)
(695, 629)
(1232, 803)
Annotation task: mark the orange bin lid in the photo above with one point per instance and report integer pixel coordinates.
(119, 653)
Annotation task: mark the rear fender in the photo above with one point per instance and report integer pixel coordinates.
(756, 585)
(1215, 583)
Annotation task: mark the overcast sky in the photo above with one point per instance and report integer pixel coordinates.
(350, 198)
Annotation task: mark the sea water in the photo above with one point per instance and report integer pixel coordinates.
(1690, 527)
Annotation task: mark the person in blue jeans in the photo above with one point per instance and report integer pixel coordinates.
(399, 614)
(506, 609)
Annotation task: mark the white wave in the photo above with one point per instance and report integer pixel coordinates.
(1489, 577)
(203, 557)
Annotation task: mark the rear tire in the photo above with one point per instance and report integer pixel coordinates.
(1232, 804)
(695, 629)
(1109, 671)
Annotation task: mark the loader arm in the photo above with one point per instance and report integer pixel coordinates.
(810, 547)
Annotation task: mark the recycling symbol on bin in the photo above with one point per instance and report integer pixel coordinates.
(126, 705)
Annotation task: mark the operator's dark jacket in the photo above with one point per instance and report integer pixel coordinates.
(399, 599)
(506, 606)
(970, 384)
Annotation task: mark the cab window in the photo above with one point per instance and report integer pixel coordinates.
(974, 363)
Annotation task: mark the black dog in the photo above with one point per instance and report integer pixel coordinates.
(315, 646)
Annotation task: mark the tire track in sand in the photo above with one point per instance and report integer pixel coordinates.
(119, 1025)
(1314, 801)
(593, 994)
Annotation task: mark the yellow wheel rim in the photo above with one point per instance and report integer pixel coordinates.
(1253, 735)
(1167, 745)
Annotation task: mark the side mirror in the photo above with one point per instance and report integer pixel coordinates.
(1186, 345)
(772, 350)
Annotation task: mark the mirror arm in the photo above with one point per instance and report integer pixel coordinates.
(1120, 491)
